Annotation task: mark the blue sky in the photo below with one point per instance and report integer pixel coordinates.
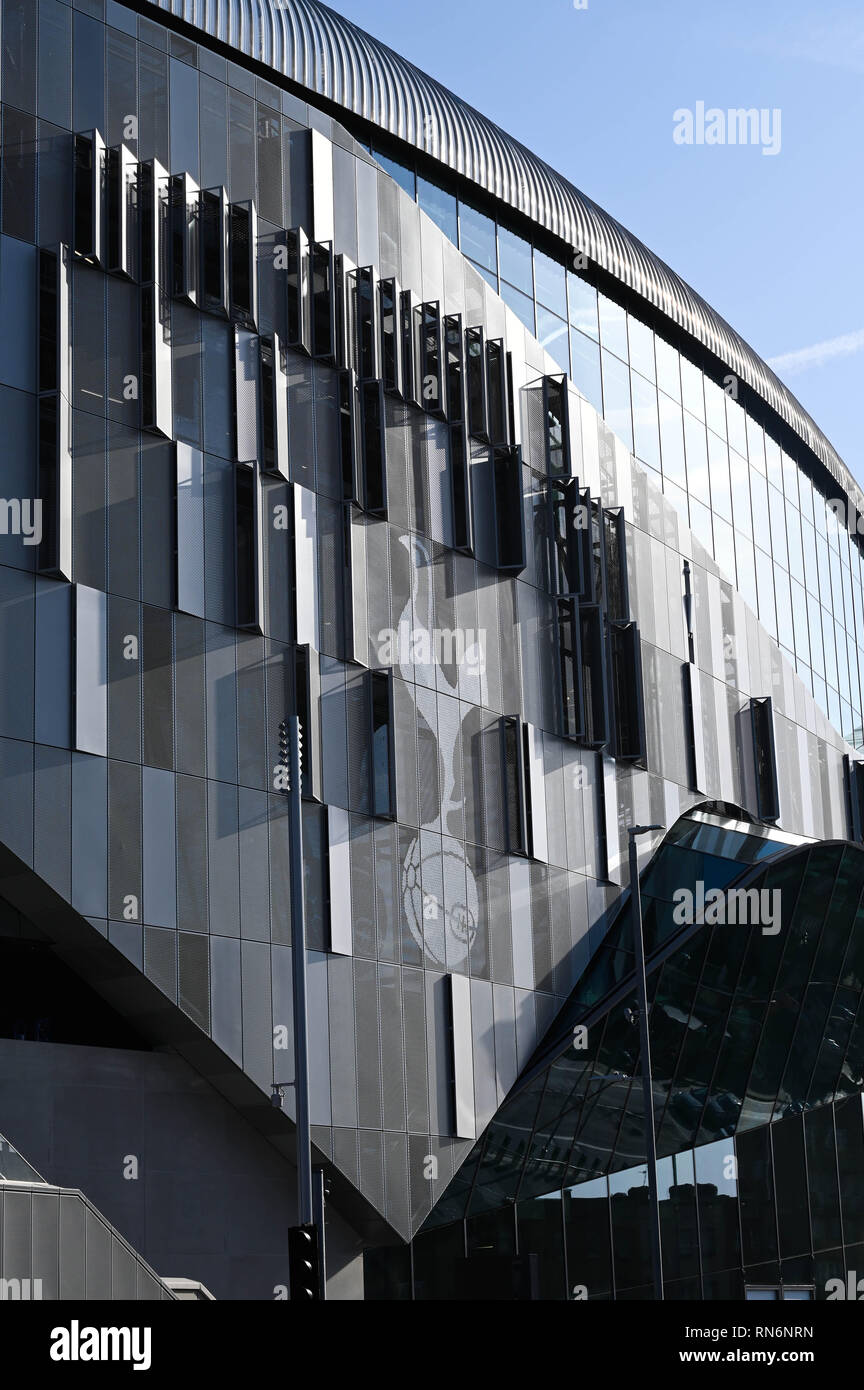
(774, 243)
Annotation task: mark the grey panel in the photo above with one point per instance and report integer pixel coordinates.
(91, 671)
(246, 370)
(225, 1004)
(254, 867)
(257, 1024)
(72, 1247)
(306, 568)
(339, 875)
(98, 1254)
(224, 861)
(319, 1040)
(46, 1238)
(343, 1056)
(53, 663)
(90, 835)
(465, 1120)
(158, 849)
(51, 815)
(190, 530)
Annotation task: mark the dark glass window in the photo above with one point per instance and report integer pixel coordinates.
(569, 657)
(323, 307)
(593, 653)
(717, 1195)
(347, 438)
(381, 711)
(515, 802)
(628, 1200)
(374, 459)
(589, 1247)
(555, 404)
(460, 490)
(541, 1234)
(822, 1177)
(509, 518)
(430, 356)
(242, 257)
(790, 1181)
(762, 724)
(850, 1156)
(391, 341)
(478, 422)
(455, 367)
(247, 615)
(496, 392)
(365, 320)
(214, 251)
(756, 1195)
(627, 691)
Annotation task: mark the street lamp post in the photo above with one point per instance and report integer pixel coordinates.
(645, 1053)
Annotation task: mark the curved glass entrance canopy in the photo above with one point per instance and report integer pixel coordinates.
(756, 1013)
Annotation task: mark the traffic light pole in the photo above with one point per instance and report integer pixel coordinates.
(645, 1053)
(305, 1198)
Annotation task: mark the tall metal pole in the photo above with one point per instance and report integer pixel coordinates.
(305, 1205)
(320, 1193)
(645, 1053)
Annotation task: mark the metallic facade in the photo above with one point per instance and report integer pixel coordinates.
(297, 457)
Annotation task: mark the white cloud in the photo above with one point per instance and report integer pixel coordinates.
(788, 363)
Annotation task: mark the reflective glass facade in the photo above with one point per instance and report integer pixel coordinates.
(742, 1217)
(770, 529)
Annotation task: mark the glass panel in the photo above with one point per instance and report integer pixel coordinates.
(585, 369)
(692, 389)
(668, 369)
(440, 206)
(616, 398)
(477, 237)
(515, 266)
(646, 435)
(589, 1250)
(399, 172)
(613, 327)
(553, 334)
(521, 305)
(551, 284)
(641, 348)
(583, 305)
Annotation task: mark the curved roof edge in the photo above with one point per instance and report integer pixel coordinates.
(330, 57)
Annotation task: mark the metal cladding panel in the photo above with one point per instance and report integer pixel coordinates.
(159, 855)
(190, 530)
(465, 1121)
(339, 877)
(246, 379)
(306, 568)
(91, 671)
